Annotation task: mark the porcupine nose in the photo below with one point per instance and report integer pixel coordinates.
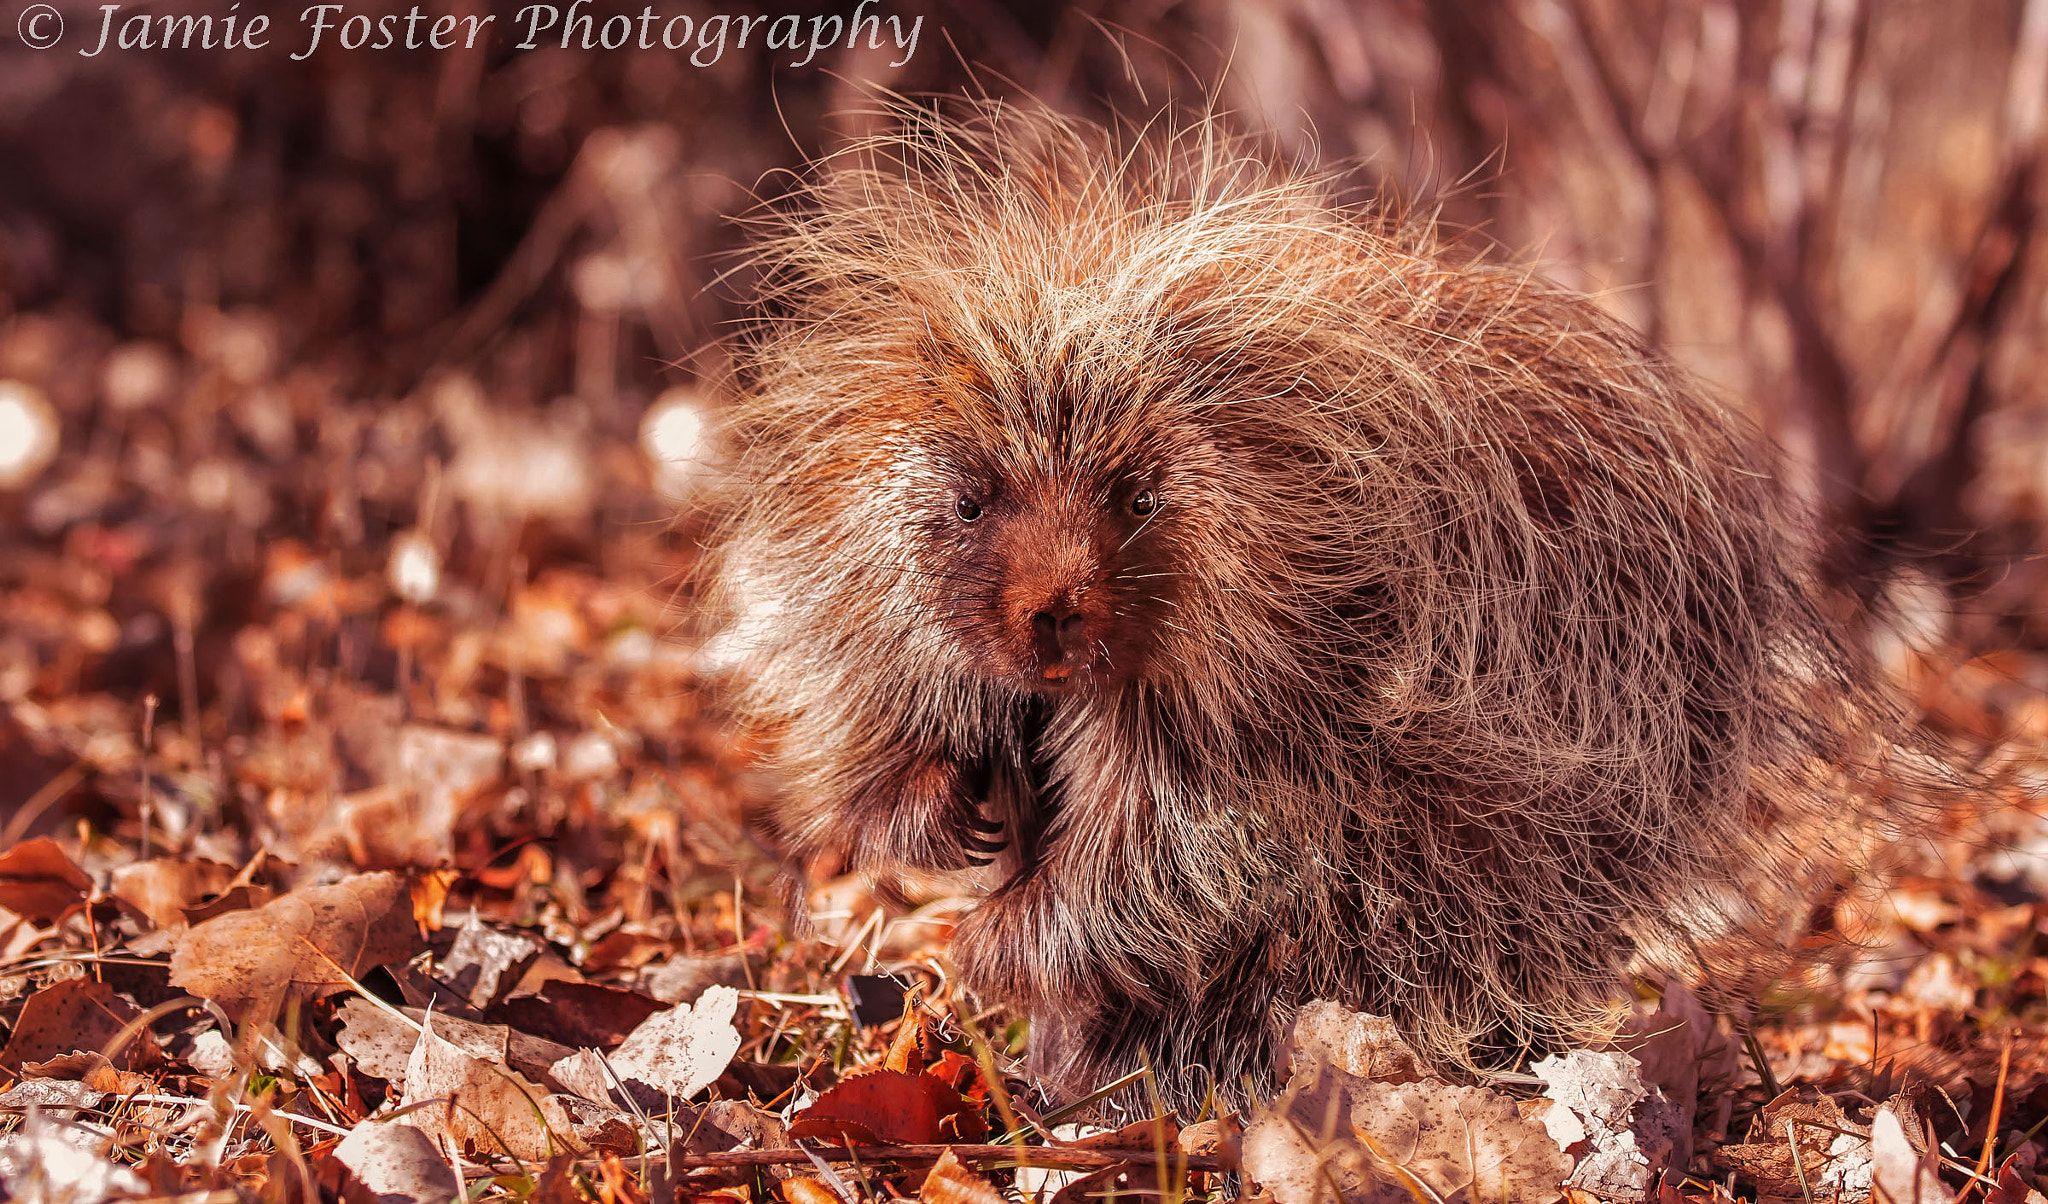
(1059, 635)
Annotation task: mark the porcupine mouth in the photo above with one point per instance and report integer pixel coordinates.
(1062, 677)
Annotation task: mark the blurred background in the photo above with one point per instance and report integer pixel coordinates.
(348, 404)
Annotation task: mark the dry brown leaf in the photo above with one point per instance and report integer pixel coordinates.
(18, 935)
(618, 1185)
(557, 1183)
(1679, 1048)
(308, 944)
(889, 1107)
(390, 1162)
(2012, 1188)
(435, 769)
(1220, 1137)
(242, 896)
(578, 1014)
(673, 1054)
(162, 887)
(1628, 1129)
(92, 1070)
(1833, 1159)
(906, 1049)
(806, 1190)
(1899, 1173)
(1394, 1143)
(430, 897)
(1362, 1046)
(381, 1043)
(50, 1093)
(685, 977)
(485, 962)
(39, 881)
(487, 1106)
(1109, 1183)
(1151, 1133)
(951, 1182)
(76, 1015)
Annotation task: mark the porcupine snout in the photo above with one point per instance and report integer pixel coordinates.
(1058, 633)
(1056, 601)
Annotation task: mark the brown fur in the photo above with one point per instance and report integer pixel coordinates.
(1467, 662)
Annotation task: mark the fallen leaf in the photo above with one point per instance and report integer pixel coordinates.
(481, 1104)
(1138, 1135)
(240, 897)
(890, 1107)
(38, 881)
(434, 770)
(1109, 1183)
(308, 944)
(2012, 1188)
(906, 1049)
(430, 897)
(76, 1015)
(1220, 1137)
(619, 1186)
(1362, 1046)
(1833, 1158)
(18, 935)
(49, 1093)
(91, 1069)
(162, 888)
(530, 866)
(1627, 1127)
(962, 1074)
(728, 1124)
(685, 977)
(381, 1044)
(485, 962)
(603, 1128)
(1679, 1048)
(1936, 983)
(51, 1161)
(807, 1190)
(1900, 1174)
(1402, 1142)
(950, 1182)
(390, 1162)
(557, 1183)
(578, 1014)
(673, 1054)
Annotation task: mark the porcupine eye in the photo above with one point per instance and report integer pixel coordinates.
(967, 508)
(1145, 503)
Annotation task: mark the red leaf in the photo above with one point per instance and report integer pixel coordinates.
(890, 1107)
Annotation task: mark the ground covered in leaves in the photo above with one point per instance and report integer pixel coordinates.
(368, 826)
(445, 883)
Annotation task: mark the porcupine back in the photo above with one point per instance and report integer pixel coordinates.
(1492, 670)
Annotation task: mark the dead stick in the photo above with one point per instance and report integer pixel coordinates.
(1056, 1157)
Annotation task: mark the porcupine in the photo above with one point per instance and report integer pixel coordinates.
(1289, 602)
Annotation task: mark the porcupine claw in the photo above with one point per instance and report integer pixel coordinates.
(982, 844)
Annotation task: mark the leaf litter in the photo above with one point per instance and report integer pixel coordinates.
(500, 928)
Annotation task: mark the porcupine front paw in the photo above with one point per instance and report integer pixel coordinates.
(937, 820)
